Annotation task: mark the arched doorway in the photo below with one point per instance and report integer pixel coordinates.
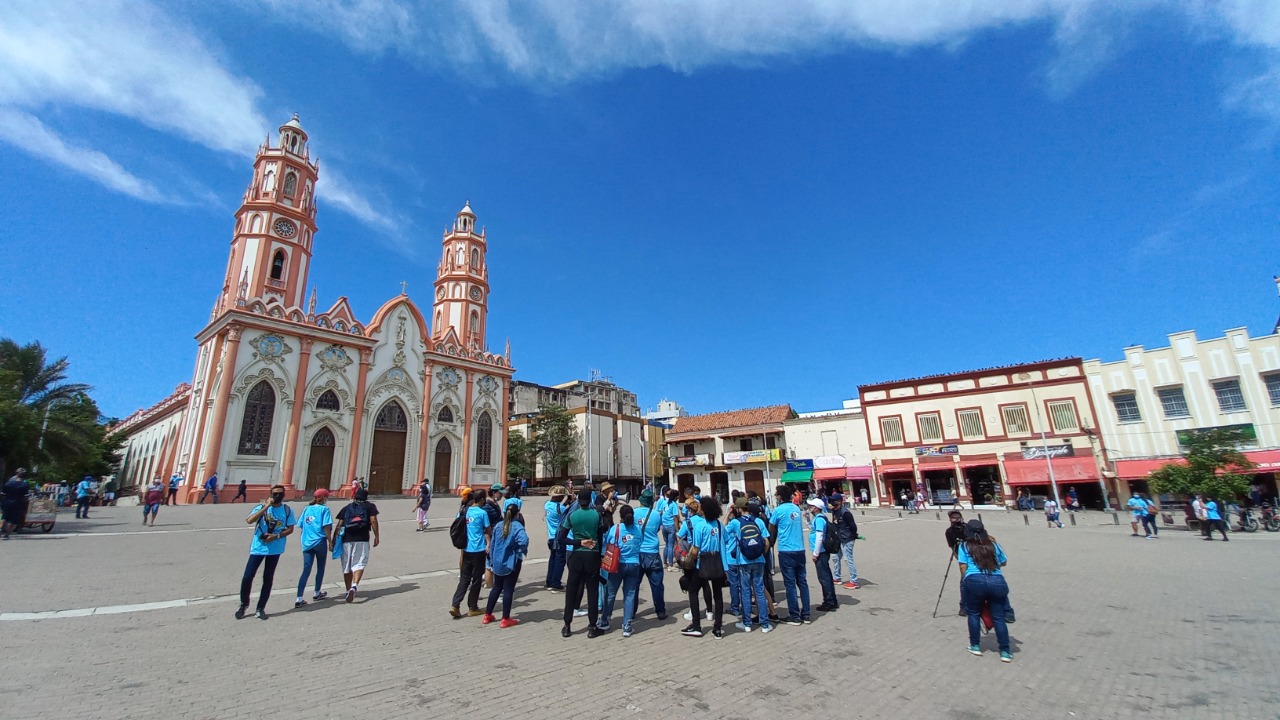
(320, 464)
(386, 462)
(442, 466)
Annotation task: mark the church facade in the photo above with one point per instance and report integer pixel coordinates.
(283, 393)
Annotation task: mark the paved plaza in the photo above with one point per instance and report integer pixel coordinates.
(1108, 627)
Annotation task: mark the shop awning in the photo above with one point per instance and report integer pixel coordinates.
(1065, 470)
(948, 465)
(979, 462)
(828, 474)
(1139, 469)
(791, 476)
(858, 472)
(896, 469)
(1266, 460)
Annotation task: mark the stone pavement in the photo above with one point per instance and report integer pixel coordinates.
(1108, 627)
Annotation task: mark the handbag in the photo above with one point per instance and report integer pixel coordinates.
(711, 564)
(337, 544)
(613, 554)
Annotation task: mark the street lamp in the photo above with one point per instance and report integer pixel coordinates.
(1044, 442)
(35, 468)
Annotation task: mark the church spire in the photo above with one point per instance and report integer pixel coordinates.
(462, 283)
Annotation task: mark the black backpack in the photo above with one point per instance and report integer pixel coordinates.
(357, 517)
(831, 538)
(458, 531)
(750, 539)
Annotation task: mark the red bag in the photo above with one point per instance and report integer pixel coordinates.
(613, 555)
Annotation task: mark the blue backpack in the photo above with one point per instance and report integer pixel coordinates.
(750, 539)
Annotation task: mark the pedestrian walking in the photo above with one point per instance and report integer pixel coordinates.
(509, 542)
(108, 492)
(317, 534)
(1149, 525)
(356, 522)
(242, 492)
(424, 505)
(821, 541)
(707, 556)
(846, 527)
(1051, 514)
(210, 488)
(918, 504)
(13, 502)
(625, 536)
(1213, 520)
(174, 481)
(747, 538)
(1137, 511)
(151, 500)
(787, 528)
(471, 562)
(272, 522)
(980, 560)
(649, 519)
(84, 496)
(584, 563)
(555, 511)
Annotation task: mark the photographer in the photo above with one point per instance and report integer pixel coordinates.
(273, 521)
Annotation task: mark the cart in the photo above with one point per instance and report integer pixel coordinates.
(42, 511)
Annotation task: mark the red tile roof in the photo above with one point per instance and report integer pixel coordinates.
(711, 422)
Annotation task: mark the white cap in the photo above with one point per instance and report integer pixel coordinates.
(817, 503)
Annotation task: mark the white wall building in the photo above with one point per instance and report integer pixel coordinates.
(831, 446)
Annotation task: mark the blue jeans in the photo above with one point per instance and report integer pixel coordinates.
(668, 545)
(990, 590)
(795, 578)
(651, 568)
(845, 556)
(735, 598)
(628, 576)
(504, 587)
(555, 566)
(317, 555)
(751, 585)
(823, 567)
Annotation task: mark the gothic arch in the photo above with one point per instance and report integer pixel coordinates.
(257, 420)
(248, 379)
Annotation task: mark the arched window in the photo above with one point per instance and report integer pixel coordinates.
(475, 322)
(323, 438)
(484, 439)
(439, 321)
(269, 182)
(391, 417)
(328, 400)
(290, 184)
(277, 265)
(475, 258)
(445, 415)
(256, 225)
(255, 429)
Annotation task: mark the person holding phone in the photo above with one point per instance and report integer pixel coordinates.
(272, 522)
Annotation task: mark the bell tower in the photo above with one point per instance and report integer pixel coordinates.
(271, 247)
(462, 283)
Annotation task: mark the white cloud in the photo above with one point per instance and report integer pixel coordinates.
(334, 188)
(27, 132)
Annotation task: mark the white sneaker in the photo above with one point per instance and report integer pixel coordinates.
(579, 613)
(688, 614)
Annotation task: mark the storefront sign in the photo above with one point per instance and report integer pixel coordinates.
(825, 462)
(794, 465)
(938, 450)
(690, 460)
(1052, 451)
(752, 456)
(1247, 433)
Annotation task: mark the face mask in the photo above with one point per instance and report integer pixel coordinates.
(277, 497)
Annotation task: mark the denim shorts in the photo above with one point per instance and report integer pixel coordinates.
(150, 508)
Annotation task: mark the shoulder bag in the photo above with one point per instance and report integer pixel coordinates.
(711, 563)
(613, 554)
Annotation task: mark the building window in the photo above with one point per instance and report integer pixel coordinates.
(1273, 387)
(484, 439)
(930, 427)
(770, 442)
(277, 265)
(1016, 421)
(445, 415)
(891, 430)
(970, 424)
(475, 259)
(328, 400)
(745, 445)
(1062, 415)
(323, 438)
(1230, 399)
(1173, 402)
(255, 429)
(290, 184)
(1126, 407)
(391, 417)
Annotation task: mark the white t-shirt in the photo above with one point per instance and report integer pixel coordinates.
(1050, 507)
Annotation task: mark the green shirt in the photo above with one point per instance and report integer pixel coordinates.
(585, 525)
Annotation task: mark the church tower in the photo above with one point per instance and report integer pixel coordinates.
(271, 246)
(462, 284)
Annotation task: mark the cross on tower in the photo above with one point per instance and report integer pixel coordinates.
(403, 285)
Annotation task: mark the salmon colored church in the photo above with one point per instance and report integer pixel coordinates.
(283, 393)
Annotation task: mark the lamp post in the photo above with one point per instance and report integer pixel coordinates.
(644, 458)
(44, 425)
(1044, 442)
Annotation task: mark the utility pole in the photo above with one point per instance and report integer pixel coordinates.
(1044, 442)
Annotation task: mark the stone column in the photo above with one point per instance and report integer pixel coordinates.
(295, 417)
(426, 425)
(466, 433)
(219, 422)
(200, 414)
(357, 419)
(502, 423)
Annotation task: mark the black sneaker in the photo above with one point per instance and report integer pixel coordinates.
(692, 631)
(594, 631)
(1008, 617)
(565, 631)
(806, 621)
(774, 619)
(299, 603)
(240, 611)
(662, 616)
(791, 621)
(717, 633)
(824, 607)
(261, 614)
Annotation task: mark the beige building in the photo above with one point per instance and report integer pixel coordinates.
(829, 448)
(733, 450)
(1149, 399)
(978, 435)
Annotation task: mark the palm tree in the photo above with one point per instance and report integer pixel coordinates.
(38, 383)
(31, 388)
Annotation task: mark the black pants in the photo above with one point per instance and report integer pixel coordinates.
(470, 577)
(269, 563)
(713, 589)
(172, 497)
(1209, 526)
(584, 574)
(82, 507)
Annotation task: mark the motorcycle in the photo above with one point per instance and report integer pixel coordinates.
(1248, 522)
(1270, 519)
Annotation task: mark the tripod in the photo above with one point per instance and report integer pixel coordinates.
(944, 583)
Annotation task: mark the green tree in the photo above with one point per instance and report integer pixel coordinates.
(554, 439)
(520, 456)
(1213, 466)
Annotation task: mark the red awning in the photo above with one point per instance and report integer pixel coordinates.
(828, 474)
(1065, 470)
(1139, 469)
(978, 462)
(937, 466)
(896, 469)
(1266, 460)
(858, 472)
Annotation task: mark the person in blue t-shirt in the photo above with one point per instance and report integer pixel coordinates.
(980, 560)
(84, 496)
(732, 560)
(688, 522)
(555, 511)
(1213, 520)
(471, 565)
(786, 525)
(756, 606)
(707, 534)
(317, 531)
(818, 529)
(625, 535)
(272, 522)
(509, 544)
(668, 513)
(649, 520)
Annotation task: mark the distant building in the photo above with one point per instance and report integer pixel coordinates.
(666, 413)
(829, 448)
(733, 450)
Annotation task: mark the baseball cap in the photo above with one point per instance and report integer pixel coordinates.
(817, 503)
(837, 497)
(322, 493)
(497, 488)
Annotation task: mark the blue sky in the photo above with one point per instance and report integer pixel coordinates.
(725, 203)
